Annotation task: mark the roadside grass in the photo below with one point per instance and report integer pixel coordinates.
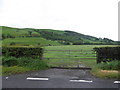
(12, 65)
(13, 70)
(106, 74)
(110, 70)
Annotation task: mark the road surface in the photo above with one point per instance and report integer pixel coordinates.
(57, 78)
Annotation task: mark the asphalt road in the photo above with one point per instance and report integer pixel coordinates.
(58, 78)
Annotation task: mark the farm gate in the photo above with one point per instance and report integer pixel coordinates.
(69, 58)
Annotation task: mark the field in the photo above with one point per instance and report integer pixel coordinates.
(29, 41)
(71, 55)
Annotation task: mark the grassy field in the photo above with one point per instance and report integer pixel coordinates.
(29, 41)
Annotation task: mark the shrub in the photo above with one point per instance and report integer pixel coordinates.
(37, 65)
(23, 52)
(114, 65)
(33, 64)
(24, 61)
(9, 61)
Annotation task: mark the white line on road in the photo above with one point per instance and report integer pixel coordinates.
(117, 82)
(29, 78)
(80, 81)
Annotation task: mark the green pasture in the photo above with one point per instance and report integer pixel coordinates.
(29, 41)
(18, 32)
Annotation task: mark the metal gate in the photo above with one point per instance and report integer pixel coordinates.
(68, 58)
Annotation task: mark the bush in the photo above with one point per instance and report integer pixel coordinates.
(114, 65)
(23, 52)
(33, 64)
(24, 61)
(9, 61)
(37, 65)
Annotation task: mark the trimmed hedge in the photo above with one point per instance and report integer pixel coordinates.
(107, 54)
(23, 52)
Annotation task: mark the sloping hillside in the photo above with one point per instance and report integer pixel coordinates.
(30, 36)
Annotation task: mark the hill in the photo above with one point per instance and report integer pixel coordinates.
(30, 36)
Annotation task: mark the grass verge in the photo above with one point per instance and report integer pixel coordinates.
(13, 70)
(110, 70)
(22, 64)
(106, 74)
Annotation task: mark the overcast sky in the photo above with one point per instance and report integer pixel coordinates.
(97, 18)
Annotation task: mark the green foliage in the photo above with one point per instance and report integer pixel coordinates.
(22, 64)
(9, 61)
(23, 59)
(23, 52)
(105, 54)
(114, 65)
(37, 65)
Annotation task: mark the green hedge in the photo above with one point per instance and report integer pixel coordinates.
(22, 52)
(106, 54)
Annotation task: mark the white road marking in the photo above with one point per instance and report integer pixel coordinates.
(30, 78)
(80, 81)
(117, 82)
(6, 78)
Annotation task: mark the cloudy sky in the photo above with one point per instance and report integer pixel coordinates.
(97, 18)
